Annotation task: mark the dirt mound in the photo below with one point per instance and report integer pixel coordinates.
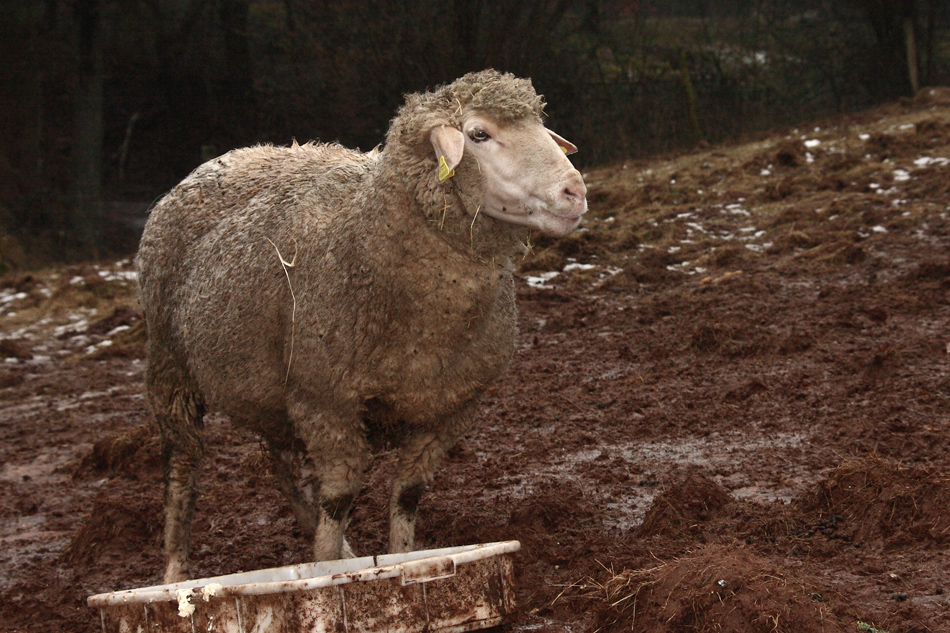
(13, 348)
(684, 505)
(129, 343)
(114, 529)
(717, 588)
(126, 453)
(553, 523)
(876, 501)
(122, 315)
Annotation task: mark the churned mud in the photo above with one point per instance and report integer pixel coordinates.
(729, 409)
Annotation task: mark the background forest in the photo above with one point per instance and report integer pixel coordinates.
(108, 103)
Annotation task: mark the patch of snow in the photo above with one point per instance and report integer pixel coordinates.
(101, 344)
(924, 161)
(879, 229)
(117, 329)
(571, 267)
(77, 325)
(900, 175)
(4, 299)
(809, 158)
(812, 142)
(735, 209)
(539, 281)
(119, 275)
(864, 137)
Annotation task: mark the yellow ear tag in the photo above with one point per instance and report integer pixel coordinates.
(444, 171)
(563, 149)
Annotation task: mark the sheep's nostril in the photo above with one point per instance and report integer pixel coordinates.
(572, 193)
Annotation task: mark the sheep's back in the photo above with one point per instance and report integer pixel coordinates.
(208, 271)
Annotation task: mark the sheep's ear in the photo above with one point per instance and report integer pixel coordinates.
(448, 143)
(564, 144)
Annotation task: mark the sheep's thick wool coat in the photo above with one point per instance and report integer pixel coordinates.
(388, 290)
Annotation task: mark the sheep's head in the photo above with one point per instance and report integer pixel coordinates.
(522, 170)
(487, 126)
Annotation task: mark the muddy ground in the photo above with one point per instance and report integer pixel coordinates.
(729, 409)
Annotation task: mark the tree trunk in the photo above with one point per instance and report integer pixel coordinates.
(86, 151)
(895, 24)
(910, 45)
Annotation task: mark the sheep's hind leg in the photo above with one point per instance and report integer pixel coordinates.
(179, 413)
(419, 458)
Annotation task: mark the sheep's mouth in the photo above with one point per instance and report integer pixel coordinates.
(559, 225)
(554, 222)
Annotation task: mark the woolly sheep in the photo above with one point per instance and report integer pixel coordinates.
(324, 297)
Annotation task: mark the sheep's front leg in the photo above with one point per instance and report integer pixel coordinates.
(340, 453)
(419, 458)
(282, 464)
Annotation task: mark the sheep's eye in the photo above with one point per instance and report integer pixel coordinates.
(478, 135)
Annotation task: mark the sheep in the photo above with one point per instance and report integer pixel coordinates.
(321, 296)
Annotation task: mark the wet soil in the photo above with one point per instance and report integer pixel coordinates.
(729, 409)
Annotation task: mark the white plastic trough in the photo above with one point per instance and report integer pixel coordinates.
(447, 590)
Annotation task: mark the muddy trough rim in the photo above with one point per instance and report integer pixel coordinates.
(411, 567)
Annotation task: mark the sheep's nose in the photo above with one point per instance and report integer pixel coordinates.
(576, 193)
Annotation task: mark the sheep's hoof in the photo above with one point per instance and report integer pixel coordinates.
(175, 572)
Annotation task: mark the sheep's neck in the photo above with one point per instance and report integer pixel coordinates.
(446, 214)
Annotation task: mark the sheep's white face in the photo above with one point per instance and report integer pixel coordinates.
(526, 175)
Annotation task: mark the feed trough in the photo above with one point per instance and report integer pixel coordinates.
(448, 590)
